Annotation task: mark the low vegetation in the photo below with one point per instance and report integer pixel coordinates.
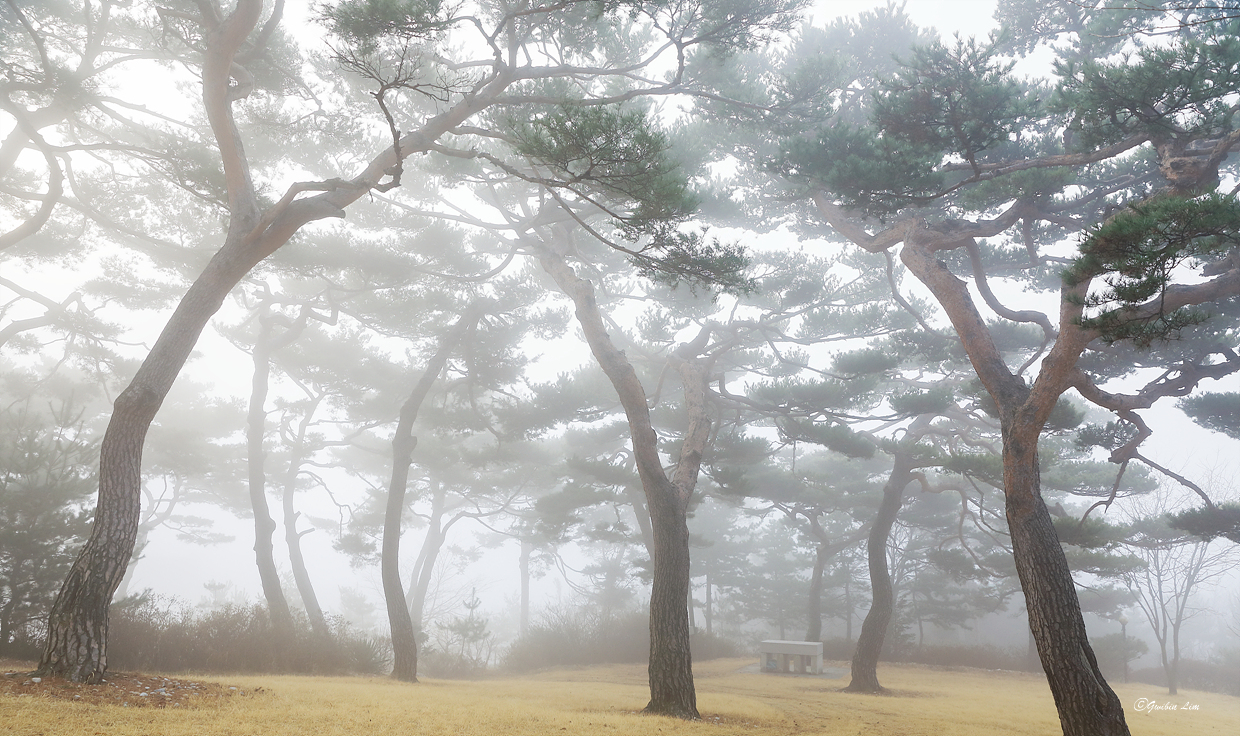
(607, 700)
(159, 634)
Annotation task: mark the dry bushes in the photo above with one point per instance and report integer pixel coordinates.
(167, 635)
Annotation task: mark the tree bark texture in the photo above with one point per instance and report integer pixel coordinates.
(404, 635)
(671, 663)
(78, 624)
(1087, 705)
(878, 619)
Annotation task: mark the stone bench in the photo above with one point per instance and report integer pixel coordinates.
(802, 657)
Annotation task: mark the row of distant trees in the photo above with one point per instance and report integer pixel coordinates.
(787, 557)
(509, 160)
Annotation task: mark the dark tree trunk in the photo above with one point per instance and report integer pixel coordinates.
(671, 662)
(78, 624)
(1087, 705)
(1173, 672)
(878, 620)
(404, 638)
(813, 608)
(264, 525)
(404, 635)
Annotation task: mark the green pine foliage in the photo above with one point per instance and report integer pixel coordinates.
(46, 478)
(1138, 251)
(1217, 411)
(1162, 91)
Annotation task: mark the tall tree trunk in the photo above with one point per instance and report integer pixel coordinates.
(1087, 705)
(404, 636)
(1173, 674)
(671, 661)
(264, 525)
(878, 620)
(709, 604)
(848, 604)
(671, 668)
(524, 565)
(424, 567)
(292, 537)
(301, 574)
(813, 607)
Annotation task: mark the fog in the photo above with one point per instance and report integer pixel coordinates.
(760, 316)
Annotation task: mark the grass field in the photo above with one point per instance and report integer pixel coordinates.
(606, 700)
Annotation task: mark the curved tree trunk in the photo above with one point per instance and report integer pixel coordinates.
(404, 636)
(671, 661)
(424, 567)
(878, 620)
(264, 525)
(301, 575)
(78, 625)
(1087, 705)
(292, 537)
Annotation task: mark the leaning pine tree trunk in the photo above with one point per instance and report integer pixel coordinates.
(404, 637)
(671, 661)
(878, 619)
(264, 525)
(1087, 705)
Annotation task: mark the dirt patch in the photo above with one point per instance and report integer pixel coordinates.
(128, 690)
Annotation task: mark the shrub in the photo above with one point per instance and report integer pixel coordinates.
(166, 634)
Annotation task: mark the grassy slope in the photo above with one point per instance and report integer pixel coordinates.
(605, 700)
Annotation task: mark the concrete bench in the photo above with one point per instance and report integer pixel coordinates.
(802, 657)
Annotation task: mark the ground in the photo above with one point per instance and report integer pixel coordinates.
(581, 701)
(130, 690)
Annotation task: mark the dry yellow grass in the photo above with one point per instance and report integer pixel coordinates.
(606, 700)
